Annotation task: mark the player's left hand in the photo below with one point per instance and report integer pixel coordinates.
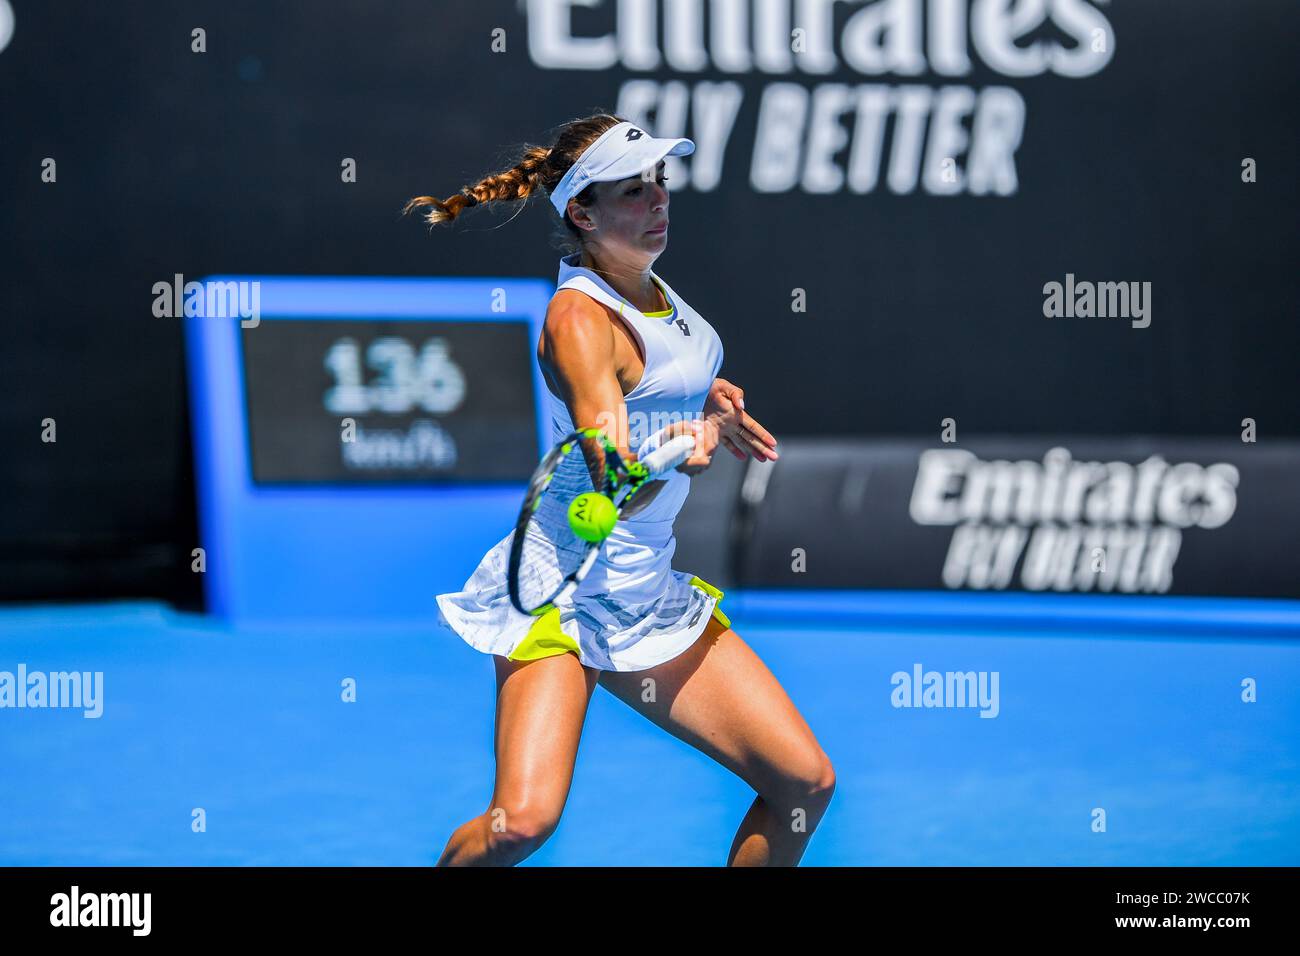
(739, 433)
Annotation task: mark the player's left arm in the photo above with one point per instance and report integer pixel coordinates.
(738, 432)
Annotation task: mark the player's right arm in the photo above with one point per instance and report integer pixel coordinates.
(578, 356)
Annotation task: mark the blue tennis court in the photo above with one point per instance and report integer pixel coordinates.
(1144, 720)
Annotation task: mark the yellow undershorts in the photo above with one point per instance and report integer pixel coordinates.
(546, 639)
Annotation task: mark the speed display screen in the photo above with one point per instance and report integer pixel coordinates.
(389, 401)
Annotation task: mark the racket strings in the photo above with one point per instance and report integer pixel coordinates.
(550, 550)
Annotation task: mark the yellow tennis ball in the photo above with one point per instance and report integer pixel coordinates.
(592, 516)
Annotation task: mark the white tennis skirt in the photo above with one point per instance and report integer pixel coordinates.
(632, 611)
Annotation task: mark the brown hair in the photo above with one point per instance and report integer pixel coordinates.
(539, 167)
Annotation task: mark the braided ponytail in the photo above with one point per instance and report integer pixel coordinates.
(539, 168)
(516, 183)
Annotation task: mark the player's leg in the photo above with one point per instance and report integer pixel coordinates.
(720, 698)
(541, 707)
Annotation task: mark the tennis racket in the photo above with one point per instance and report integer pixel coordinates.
(547, 559)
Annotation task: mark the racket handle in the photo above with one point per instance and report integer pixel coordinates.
(669, 455)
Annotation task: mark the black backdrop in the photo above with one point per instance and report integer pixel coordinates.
(919, 306)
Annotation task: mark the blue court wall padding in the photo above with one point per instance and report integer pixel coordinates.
(1099, 615)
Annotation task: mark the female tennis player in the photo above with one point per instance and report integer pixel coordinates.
(620, 345)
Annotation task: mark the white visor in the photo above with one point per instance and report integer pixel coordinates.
(622, 152)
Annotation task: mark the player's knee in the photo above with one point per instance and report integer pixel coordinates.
(808, 782)
(516, 831)
(824, 785)
(818, 781)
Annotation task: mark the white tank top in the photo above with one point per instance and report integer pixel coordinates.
(682, 357)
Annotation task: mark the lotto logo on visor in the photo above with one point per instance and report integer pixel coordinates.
(621, 152)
